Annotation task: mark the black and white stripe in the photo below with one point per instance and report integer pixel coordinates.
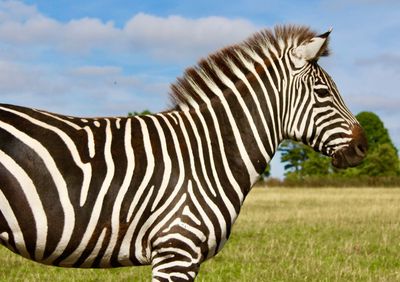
(165, 189)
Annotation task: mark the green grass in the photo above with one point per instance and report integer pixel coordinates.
(281, 235)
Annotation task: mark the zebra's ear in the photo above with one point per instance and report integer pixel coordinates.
(313, 49)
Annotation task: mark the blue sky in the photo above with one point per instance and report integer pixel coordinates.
(104, 58)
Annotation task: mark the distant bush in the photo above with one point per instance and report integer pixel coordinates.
(335, 181)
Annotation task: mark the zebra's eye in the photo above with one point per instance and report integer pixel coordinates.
(322, 92)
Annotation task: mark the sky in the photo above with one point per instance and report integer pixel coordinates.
(110, 57)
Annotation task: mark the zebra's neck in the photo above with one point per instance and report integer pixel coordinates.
(237, 130)
(241, 89)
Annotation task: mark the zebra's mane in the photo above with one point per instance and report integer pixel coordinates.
(185, 92)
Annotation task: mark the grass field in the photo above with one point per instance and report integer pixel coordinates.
(281, 235)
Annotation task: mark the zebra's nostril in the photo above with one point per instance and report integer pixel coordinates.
(360, 150)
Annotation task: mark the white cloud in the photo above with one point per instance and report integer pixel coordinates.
(17, 78)
(82, 91)
(87, 34)
(75, 36)
(167, 38)
(383, 60)
(16, 11)
(96, 71)
(176, 36)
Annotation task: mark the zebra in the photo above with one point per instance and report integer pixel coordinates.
(165, 189)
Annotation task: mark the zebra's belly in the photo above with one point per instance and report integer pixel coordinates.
(99, 256)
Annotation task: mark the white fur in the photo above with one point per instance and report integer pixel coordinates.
(308, 51)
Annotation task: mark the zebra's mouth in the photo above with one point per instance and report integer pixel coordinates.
(353, 154)
(345, 158)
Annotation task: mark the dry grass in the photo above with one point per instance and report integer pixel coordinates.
(313, 235)
(281, 235)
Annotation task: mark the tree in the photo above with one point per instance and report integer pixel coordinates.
(382, 161)
(293, 155)
(316, 164)
(267, 171)
(302, 160)
(382, 158)
(375, 130)
(145, 112)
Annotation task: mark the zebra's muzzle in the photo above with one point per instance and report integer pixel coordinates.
(353, 154)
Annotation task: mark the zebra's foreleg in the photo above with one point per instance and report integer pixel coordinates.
(171, 264)
(175, 257)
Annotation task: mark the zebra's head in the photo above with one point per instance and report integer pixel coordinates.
(319, 116)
